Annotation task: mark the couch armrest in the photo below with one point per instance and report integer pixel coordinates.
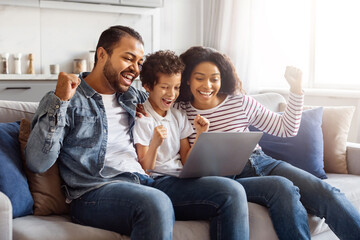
(5, 217)
(353, 157)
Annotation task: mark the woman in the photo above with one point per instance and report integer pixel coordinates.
(209, 86)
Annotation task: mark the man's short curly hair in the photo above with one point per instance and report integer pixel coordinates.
(166, 62)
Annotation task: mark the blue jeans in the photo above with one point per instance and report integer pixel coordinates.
(145, 209)
(220, 200)
(290, 193)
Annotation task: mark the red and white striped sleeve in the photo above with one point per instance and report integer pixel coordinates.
(281, 125)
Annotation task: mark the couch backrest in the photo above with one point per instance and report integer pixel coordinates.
(11, 111)
(271, 101)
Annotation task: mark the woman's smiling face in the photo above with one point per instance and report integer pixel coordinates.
(205, 83)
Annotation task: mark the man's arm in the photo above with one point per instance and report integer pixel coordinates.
(48, 125)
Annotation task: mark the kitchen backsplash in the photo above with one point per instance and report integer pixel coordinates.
(57, 36)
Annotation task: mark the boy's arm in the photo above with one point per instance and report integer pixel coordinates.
(184, 150)
(147, 154)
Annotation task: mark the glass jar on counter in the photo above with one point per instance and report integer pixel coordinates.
(79, 66)
(5, 63)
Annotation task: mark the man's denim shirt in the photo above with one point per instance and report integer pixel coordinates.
(75, 133)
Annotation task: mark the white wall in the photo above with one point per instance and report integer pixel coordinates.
(181, 24)
(59, 36)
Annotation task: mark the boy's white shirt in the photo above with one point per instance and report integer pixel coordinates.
(120, 152)
(178, 127)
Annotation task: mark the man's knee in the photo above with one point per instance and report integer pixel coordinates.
(157, 204)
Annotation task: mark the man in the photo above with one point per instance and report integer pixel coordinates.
(86, 124)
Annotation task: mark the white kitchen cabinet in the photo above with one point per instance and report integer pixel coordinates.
(31, 90)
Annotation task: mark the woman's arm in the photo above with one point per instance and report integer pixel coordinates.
(293, 76)
(281, 125)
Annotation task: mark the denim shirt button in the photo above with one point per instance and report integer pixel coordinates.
(52, 129)
(104, 130)
(57, 106)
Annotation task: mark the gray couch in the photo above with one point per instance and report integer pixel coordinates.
(56, 227)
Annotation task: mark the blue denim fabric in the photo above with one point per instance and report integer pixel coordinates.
(290, 193)
(126, 207)
(79, 128)
(219, 199)
(140, 210)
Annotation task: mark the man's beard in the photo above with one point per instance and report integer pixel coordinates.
(113, 78)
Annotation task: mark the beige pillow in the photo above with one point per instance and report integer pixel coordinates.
(45, 187)
(336, 124)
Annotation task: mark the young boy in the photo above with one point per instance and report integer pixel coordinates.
(161, 139)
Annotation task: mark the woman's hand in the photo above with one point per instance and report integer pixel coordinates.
(201, 124)
(293, 76)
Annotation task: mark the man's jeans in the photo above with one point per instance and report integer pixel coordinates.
(290, 193)
(143, 212)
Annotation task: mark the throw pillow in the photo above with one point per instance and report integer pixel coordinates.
(44, 187)
(336, 126)
(12, 177)
(305, 150)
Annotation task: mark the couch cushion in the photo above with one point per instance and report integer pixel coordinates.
(261, 226)
(56, 227)
(348, 184)
(12, 111)
(60, 227)
(305, 150)
(336, 125)
(44, 187)
(12, 177)
(259, 218)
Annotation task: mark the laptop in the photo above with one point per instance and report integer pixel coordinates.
(217, 154)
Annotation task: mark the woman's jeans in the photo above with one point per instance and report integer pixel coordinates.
(146, 208)
(290, 193)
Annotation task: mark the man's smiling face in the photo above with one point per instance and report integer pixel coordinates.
(123, 65)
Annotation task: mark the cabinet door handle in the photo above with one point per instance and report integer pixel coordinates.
(16, 88)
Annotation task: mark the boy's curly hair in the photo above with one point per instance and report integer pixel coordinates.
(163, 61)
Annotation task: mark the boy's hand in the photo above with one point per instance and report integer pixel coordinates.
(140, 110)
(160, 133)
(293, 76)
(201, 124)
(66, 86)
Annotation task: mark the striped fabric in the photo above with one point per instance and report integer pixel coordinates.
(237, 112)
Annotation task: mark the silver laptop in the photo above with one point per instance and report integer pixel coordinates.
(217, 154)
